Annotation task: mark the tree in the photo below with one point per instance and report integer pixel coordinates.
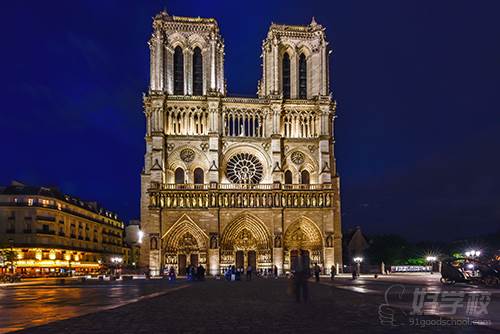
(8, 257)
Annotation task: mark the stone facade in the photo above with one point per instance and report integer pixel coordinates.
(238, 181)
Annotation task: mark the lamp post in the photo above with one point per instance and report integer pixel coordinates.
(431, 260)
(472, 253)
(358, 260)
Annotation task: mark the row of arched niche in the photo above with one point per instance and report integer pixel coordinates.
(199, 176)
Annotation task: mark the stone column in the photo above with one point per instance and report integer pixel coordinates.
(212, 62)
(213, 140)
(156, 61)
(213, 261)
(188, 68)
(168, 66)
(278, 259)
(329, 258)
(275, 90)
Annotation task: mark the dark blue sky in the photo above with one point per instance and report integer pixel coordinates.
(417, 85)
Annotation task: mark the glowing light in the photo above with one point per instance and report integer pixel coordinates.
(472, 253)
(140, 235)
(358, 259)
(431, 258)
(52, 256)
(38, 255)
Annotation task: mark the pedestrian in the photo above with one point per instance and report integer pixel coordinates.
(249, 272)
(301, 276)
(354, 274)
(333, 271)
(201, 273)
(171, 274)
(275, 272)
(317, 271)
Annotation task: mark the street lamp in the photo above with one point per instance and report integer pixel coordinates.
(473, 253)
(358, 260)
(431, 260)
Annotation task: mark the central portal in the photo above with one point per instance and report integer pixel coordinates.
(240, 259)
(252, 259)
(243, 259)
(247, 242)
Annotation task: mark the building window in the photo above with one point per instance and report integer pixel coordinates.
(304, 176)
(286, 76)
(288, 177)
(179, 176)
(198, 176)
(11, 228)
(178, 71)
(197, 72)
(302, 77)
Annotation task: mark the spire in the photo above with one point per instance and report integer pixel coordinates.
(313, 22)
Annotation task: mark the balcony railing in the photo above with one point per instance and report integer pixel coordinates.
(234, 186)
(48, 232)
(100, 220)
(243, 196)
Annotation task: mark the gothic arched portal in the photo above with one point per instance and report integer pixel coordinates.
(244, 241)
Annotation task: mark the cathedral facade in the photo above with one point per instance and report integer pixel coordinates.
(238, 181)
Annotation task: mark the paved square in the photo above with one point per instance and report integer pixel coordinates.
(242, 307)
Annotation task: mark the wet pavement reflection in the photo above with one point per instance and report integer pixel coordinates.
(426, 293)
(23, 306)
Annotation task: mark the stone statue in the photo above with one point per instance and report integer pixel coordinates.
(153, 243)
(277, 241)
(329, 241)
(213, 241)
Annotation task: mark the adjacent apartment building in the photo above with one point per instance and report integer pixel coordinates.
(52, 233)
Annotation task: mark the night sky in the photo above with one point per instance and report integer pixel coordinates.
(417, 85)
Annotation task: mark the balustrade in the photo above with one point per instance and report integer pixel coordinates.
(232, 196)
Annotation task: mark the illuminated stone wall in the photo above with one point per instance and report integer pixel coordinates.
(237, 181)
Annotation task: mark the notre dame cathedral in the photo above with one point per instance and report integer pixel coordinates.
(232, 180)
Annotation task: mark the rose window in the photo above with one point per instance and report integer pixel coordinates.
(244, 168)
(187, 155)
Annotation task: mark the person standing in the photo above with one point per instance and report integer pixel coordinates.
(333, 272)
(301, 276)
(275, 272)
(317, 271)
(249, 273)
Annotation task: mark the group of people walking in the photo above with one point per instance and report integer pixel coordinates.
(193, 273)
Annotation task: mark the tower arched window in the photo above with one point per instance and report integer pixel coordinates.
(286, 76)
(179, 176)
(288, 177)
(197, 72)
(178, 71)
(302, 77)
(304, 177)
(198, 176)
